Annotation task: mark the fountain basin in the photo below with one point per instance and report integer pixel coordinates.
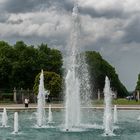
(127, 128)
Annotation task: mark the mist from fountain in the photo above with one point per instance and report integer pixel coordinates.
(50, 118)
(16, 122)
(72, 102)
(107, 118)
(77, 79)
(41, 117)
(72, 112)
(4, 118)
(115, 114)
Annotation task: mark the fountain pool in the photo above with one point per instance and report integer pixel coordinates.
(129, 127)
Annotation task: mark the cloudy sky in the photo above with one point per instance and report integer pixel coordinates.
(111, 27)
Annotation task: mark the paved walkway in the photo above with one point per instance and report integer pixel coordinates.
(31, 106)
(61, 106)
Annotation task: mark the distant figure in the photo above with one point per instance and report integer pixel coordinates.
(136, 98)
(26, 102)
(48, 99)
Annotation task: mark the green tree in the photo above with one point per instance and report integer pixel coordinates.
(19, 64)
(7, 56)
(25, 66)
(52, 83)
(50, 59)
(138, 83)
(99, 68)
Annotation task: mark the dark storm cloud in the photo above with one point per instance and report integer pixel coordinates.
(22, 6)
(108, 13)
(3, 17)
(19, 21)
(35, 40)
(132, 31)
(65, 4)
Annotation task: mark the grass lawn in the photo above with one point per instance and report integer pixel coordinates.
(120, 101)
(6, 102)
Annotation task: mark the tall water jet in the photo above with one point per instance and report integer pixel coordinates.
(50, 118)
(138, 119)
(107, 119)
(4, 118)
(115, 114)
(16, 122)
(41, 117)
(72, 104)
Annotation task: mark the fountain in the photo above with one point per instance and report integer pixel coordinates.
(4, 118)
(115, 114)
(50, 118)
(107, 119)
(77, 90)
(138, 118)
(16, 122)
(41, 117)
(72, 104)
(77, 79)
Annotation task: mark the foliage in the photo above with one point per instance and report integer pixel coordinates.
(99, 68)
(19, 64)
(138, 83)
(52, 83)
(120, 101)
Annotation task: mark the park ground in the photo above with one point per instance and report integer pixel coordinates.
(96, 104)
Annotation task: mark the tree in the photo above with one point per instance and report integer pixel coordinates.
(19, 64)
(7, 56)
(25, 67)
(99, 68)
(138, 83)
(50, 59)
(52, 83)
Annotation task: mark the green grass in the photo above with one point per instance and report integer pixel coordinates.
(120, 101)
(6, 102)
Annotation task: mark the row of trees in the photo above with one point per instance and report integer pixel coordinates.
(20, 63)
(99, 69)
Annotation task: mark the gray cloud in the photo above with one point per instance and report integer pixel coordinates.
(23, 6)
(132, 30)
(3, 17)
(18, 21)
(107, 13)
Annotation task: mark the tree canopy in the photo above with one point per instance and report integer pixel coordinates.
(20, 63)
(138, 83)
(99, 68)
(52, 83)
